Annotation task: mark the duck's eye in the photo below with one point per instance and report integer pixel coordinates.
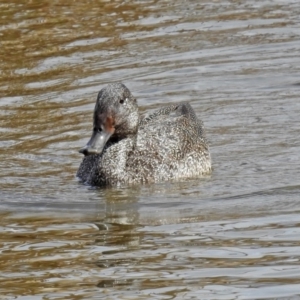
(123, 100)
(96, 129)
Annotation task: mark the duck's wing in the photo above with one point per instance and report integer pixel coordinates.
(174, 111)
(171, 144)
(153, 117)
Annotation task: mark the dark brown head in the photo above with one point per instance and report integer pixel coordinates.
(115, 117)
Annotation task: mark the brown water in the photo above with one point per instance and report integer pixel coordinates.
(234, 235)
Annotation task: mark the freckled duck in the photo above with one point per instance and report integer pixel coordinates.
(126, 148)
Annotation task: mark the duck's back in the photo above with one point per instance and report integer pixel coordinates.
(171, 144)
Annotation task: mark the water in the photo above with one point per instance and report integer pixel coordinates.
(233, 235)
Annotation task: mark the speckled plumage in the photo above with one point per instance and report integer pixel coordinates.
(168, 144)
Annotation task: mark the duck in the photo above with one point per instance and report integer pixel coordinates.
(127, 148)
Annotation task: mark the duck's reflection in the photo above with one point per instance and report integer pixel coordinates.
(118, 223)
(119, 219)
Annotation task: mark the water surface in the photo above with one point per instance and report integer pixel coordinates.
(232, 235)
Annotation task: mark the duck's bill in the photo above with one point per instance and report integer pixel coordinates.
(96, 144)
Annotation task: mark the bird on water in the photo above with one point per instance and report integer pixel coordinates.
(126, 148)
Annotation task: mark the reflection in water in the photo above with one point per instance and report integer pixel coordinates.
(118, 226)
(233, 235)
(113, 251)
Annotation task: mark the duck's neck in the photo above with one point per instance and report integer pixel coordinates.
(130, 137)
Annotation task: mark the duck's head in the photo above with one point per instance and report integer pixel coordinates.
(115, 117)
